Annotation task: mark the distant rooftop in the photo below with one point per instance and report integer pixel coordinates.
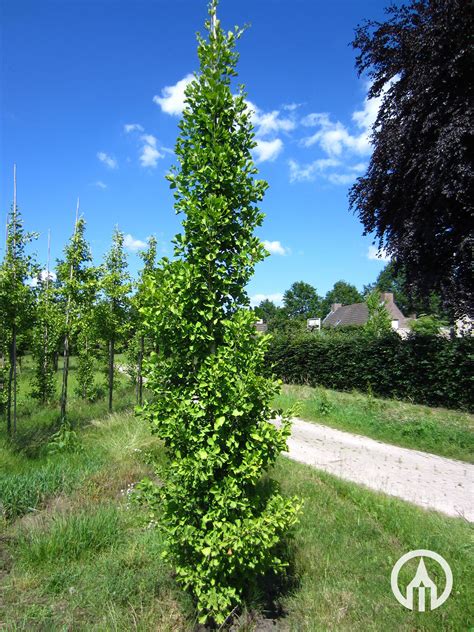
(358, 313)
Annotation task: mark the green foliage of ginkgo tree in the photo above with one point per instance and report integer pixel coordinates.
(46, 337)
(16, 307)
(140, 344)
(78, 287)
(211, 394)
(114, 309)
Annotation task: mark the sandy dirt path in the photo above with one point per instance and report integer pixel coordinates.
(421, 478)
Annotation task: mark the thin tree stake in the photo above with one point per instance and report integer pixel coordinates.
(14, 321)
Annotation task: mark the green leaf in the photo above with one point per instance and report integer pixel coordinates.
(219, 422)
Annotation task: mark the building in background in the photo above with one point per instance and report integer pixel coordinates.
(358, 314)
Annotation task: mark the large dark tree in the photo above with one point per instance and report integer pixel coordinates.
(416, 195)
(302, 300)
(342, 292)
(266, 310)
(392, 280)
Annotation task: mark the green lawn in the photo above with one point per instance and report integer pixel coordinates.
(74, 555)
(448, 433)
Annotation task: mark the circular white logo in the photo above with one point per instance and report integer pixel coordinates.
(421, 581)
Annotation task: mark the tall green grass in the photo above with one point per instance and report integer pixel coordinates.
(69, 536)
(26, 491)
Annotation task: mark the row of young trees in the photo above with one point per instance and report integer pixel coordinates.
(78, 307)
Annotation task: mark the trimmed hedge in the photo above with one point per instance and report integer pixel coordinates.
(422, 369)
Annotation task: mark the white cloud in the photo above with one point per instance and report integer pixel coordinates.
(308, 172)
(269, 122)
(334, 137)
(149, 156)
(276, 298)
(149, 153)
(172, 98)
(132, 127)
(133, 244)
(374, 254)
(267, 149)
(100, 185)
(149, 139)
(341, 178)
(322, 168)
(275, 248)
(359, 167)
(365, 118)
(107, 160)
(291, 107)
(42, 276)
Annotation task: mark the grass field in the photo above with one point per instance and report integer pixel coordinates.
(445, 432)
(36, 423)
(74, 555)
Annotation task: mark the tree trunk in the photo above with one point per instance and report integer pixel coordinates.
(84, 382)
(111, 372)
(66, 340)
(139, 371)
(9, 394)
(14, 377)
(65, 377)
(2, 381)
(45, 363)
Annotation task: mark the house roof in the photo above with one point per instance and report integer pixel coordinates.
(358, 313)
(355, 314)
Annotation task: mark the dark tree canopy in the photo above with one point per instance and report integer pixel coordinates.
(416, 195)
(342, 292)
(302, 300)
(392, 280)
(266, 310)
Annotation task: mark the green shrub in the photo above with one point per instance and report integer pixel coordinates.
(429, 370)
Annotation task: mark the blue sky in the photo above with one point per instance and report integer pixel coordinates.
(90, 101)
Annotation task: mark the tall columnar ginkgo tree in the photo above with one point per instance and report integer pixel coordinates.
(16, 303)
(114, 311)
(212, 399)
(78, 287)
(46, 337)
(138, 346)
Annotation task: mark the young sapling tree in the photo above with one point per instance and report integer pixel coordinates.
(16, 301)
(138, 346)
(46, 334)
(114, 311)
(77, 281)
(212, 395)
